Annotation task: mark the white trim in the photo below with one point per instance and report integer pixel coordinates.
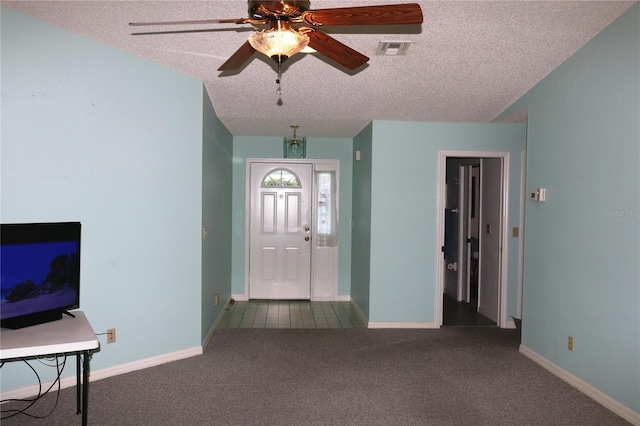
(463, 247)
(523, 204)
(361, 314)
(247, 213)
(142, 364)
(145, 363)
(240, 297)
(503, 321)
(378, 324)
(504, 275)
(209, 335)
(598, 396)
(441, 203)
(343, 298)
(29, 391)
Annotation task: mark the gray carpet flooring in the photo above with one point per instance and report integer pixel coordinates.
(450, 376)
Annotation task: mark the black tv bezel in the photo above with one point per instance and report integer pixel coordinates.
(29, 233)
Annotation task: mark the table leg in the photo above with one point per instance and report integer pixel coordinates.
(78, 390)
(85, 388)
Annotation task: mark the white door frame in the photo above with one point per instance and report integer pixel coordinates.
(464, 255)
(441, 200)
(318, 165)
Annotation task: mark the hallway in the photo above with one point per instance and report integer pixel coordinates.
(462, 314)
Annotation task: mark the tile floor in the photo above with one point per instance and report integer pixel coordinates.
(291, 314)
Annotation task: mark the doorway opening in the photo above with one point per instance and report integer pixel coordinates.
(291, 246)
(472, 221)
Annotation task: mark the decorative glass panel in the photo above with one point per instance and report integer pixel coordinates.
(282, 178)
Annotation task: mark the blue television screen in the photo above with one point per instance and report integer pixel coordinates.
(40, 272)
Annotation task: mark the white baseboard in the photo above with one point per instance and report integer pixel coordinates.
(144, 363)
(603, 399)
(240, 297)
(209, 335)
(374, 324)
(67, 382)
(343, 298)
(377, 324)
(359, 311)
(332, 299)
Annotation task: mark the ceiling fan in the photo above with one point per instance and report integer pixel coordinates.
(293, 26)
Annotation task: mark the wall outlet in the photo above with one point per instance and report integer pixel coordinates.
(111, 335)
(570, 343)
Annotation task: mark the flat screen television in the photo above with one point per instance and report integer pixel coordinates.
(40, 270)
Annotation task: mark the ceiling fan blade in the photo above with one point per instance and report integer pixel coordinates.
(205, 21)
(333, 49)
(392, 14)
(240, 56)
(209, 30)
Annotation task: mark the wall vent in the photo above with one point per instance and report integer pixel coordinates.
(392, 48)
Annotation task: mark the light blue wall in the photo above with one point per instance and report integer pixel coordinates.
(92, 134)
(269, 147)
(404, 210)
(216, 215)
(582, 246)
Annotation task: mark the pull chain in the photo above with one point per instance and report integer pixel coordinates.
(279, 89)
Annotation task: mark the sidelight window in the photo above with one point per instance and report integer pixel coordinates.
(326, 210)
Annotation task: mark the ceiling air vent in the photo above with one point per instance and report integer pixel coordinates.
(392, 48)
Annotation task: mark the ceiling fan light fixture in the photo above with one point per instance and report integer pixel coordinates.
(279, 42)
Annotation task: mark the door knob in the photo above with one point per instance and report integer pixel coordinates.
(306, 228)
(307, 238)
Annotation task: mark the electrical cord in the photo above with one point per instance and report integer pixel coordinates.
(6, 414)
(32, 401)
(48, 359)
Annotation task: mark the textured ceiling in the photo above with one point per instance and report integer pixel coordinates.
(467, 62)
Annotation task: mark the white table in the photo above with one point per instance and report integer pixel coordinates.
(66, 336)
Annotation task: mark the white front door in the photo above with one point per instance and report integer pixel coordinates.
(280, 231)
